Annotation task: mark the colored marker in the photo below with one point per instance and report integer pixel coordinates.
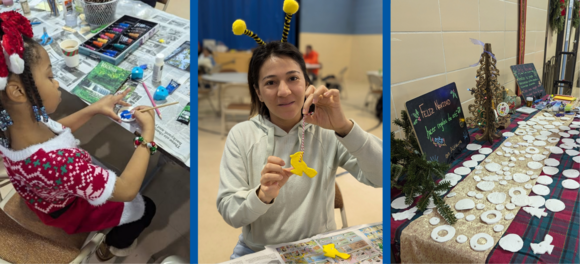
(103, 36)
(125, 40)
(89, 47)
(98, 44)
(119, 46)
(142, 26)
(134, 35)
(102, 40)
(117, 30)
(124, 25)
(110, 35)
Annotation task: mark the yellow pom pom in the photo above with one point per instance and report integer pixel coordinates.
(239, 27)
(290, 7)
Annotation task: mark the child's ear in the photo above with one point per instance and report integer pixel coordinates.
(16, 93)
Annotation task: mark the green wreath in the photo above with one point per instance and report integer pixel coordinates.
(558, 14)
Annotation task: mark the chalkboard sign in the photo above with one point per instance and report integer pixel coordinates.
(437, 120)
(528, 80)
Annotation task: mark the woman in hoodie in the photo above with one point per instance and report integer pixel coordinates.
(257, 190)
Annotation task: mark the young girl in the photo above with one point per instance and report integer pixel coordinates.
(56, 178)
(257, 190)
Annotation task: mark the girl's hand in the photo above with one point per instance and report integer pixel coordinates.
(328, 112)
(106, 105)
(273, 178)
(146, 120)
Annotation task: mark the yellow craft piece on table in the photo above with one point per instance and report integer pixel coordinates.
(300, 166)
(331, 252)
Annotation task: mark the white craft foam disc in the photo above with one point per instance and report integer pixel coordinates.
(573, 132)
(564, 128)
(508, 134)
(541, 137)
(545, 180)
(538, 157)
(399, 203)
(461, 239)
(528, 186)
(555, 205)
(451, 194)
(553, 140)
(532, 150)
(571, 173)
(450, 233)
(552, 162)
(498, 228)
(496, 197)
(478, 157)
(485, 151)
(539, 143)
(434, 220)
(556, 150)
(462, 171)
(520, 132)
(570, 184)
(566, 146)
(473, 146)
(459, 215)
(521, 123)
(528, 137)
(564, 134)
(480, 206)
(536, 201)
(493, 167)
(511, 242)
(540, 190)
(576, 159)
(545, 133)
(534, 165)
(470, 218)
(510, 206)
(470, 164)
(520, 200)
(550, 170)
(521, 178)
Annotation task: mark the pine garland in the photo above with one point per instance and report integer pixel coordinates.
(420, 174)
(558, 14)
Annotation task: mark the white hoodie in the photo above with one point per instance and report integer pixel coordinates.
(305, 206)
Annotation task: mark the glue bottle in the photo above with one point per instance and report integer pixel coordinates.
(158, 68)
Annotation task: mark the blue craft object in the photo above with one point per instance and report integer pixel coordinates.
(144, 66)
(137, 73)
(126, 114)
(160, 94)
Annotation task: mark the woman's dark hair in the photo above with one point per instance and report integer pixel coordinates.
(31, 57)
(260, 55)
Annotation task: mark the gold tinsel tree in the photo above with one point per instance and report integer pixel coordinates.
(488, 94)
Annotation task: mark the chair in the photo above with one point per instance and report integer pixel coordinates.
(339, 204)
(235, 100)
(376, 88)
(164, 2)
(337, 82)
(25, 239)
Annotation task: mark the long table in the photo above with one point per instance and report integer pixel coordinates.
(563, 226)
(171, 136)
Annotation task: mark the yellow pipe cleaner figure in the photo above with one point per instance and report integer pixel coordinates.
(300, 166)
(331, 252)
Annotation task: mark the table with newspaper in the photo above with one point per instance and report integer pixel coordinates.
(364, 244)
(171, 136)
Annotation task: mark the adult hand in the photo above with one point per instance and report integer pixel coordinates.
(146, 120)
(106, 105)
(273, 178)
(328, 113)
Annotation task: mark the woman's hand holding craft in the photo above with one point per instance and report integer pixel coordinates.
(106, 105)
(328, 113)
(146, 121)
(273, 178)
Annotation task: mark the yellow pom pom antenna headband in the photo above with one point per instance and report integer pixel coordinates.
(290, 8)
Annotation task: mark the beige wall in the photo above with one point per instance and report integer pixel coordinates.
(430, 44)
(360, 53)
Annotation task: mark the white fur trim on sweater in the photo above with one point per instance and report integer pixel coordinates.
(3, 81)
(16, 64)
(133, 210)
(108, 192)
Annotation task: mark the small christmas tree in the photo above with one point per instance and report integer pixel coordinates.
(488, 94)
(420, 174)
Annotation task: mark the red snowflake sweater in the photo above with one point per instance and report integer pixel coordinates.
(57, 174)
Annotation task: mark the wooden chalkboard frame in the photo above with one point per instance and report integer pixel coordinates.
(465, 133)
(536, 95)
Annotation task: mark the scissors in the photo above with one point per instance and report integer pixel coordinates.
(46, 40)
(35, 21)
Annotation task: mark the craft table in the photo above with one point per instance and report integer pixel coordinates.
(224, 77)
(272, 254)
(411, 239)
(174, 31)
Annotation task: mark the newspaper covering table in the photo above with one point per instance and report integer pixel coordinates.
(363, 243)
(172, 136)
